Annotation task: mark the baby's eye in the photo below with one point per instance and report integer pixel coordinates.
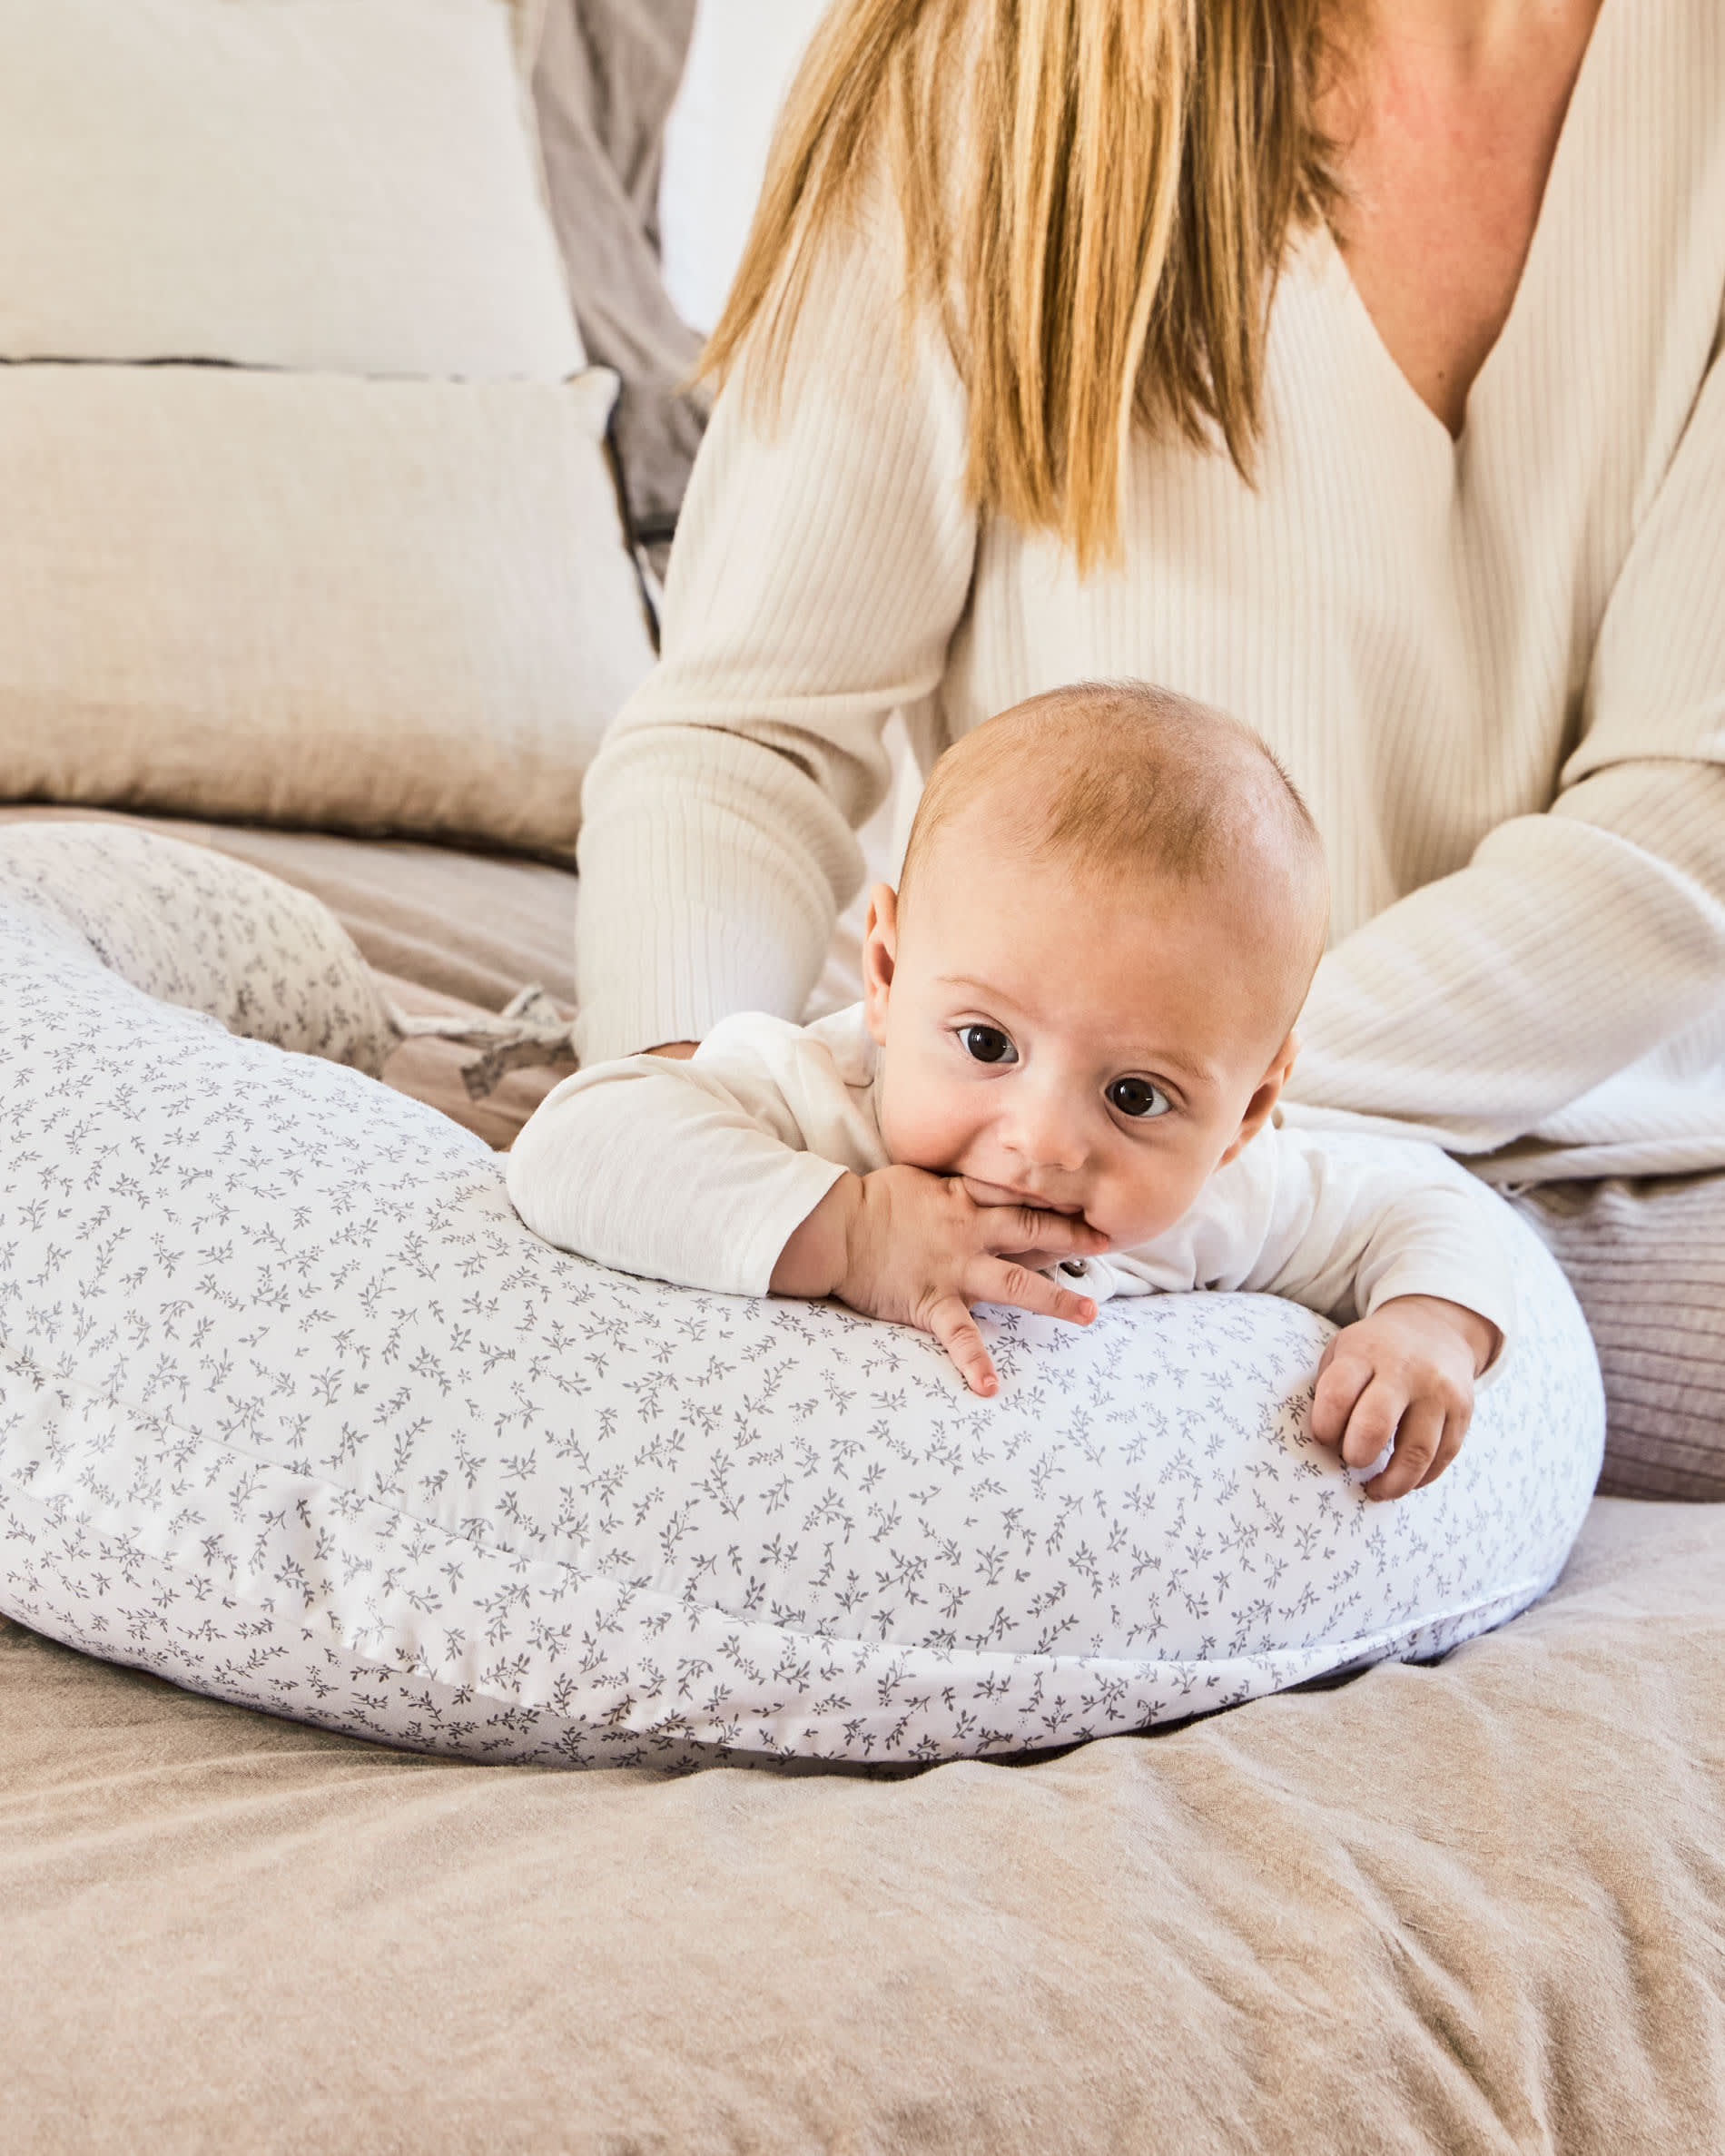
(1137, 1097)
(987, 1044)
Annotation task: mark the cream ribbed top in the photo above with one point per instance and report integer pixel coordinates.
(1495, 666)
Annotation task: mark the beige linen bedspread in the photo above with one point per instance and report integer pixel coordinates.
(1473, 1907)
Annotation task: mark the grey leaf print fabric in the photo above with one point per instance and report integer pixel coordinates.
(216, 935)
(294, 1411)
(198, 928)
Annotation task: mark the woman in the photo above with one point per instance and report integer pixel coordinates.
(1355, 371)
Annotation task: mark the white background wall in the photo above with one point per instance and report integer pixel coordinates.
(741, 61)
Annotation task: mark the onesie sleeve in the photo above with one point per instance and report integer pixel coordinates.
(697, 1172)
(1340, 1224)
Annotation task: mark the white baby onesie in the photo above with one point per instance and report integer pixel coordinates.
(699, 1172)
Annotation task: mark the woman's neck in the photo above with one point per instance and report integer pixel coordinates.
(1468, 33)
(1446, 116)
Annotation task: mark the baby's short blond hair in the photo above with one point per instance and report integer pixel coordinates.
(1123, 780)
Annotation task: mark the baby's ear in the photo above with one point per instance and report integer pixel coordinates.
(879, 956)
(1265, 1096)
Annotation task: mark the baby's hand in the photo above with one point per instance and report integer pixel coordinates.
(1404, 1373)
(915, 1248)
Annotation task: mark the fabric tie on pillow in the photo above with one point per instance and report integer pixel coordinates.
(528, 1033)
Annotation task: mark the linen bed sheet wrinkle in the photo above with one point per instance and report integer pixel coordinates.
(1470, 1908)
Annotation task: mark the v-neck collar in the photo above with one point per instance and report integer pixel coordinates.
(1557, 181)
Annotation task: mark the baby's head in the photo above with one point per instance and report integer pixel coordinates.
(1085, 987)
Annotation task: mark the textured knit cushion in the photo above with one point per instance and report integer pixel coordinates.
(295, 1412)
(309, 599)
(350, 184)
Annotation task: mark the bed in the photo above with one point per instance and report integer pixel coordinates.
(1469, 1905)
(1474, 1907)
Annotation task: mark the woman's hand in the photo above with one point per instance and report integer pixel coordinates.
(1406, 1373)
(916, 1248)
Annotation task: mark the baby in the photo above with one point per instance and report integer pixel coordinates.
(1059, 1086)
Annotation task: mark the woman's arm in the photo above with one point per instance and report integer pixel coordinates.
(820, 566)
(1478, 1008)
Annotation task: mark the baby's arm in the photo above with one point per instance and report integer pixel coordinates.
(1389, 1237)
(669, 1170)
(1399, 1234)
(700, 1172)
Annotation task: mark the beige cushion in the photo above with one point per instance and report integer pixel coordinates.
(349, 184)
(400, 606)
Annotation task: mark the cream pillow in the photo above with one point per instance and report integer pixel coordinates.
(378, 606)
(344, 184)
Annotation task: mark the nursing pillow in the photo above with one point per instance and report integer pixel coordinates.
(220, 937)
(295, 1412)
(195, 928)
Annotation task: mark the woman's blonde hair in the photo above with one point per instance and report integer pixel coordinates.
(1107, 255)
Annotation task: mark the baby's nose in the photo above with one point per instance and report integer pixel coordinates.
(1044, 1136)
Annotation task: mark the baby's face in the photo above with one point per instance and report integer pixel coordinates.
(1070, 1044)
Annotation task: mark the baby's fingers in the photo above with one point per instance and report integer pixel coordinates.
(1418, 1442)
(1372, 1424)
(1341, 1379)
(953, 1326)
(1020, 1228)
(1454, 1429)
(1001, 1280)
